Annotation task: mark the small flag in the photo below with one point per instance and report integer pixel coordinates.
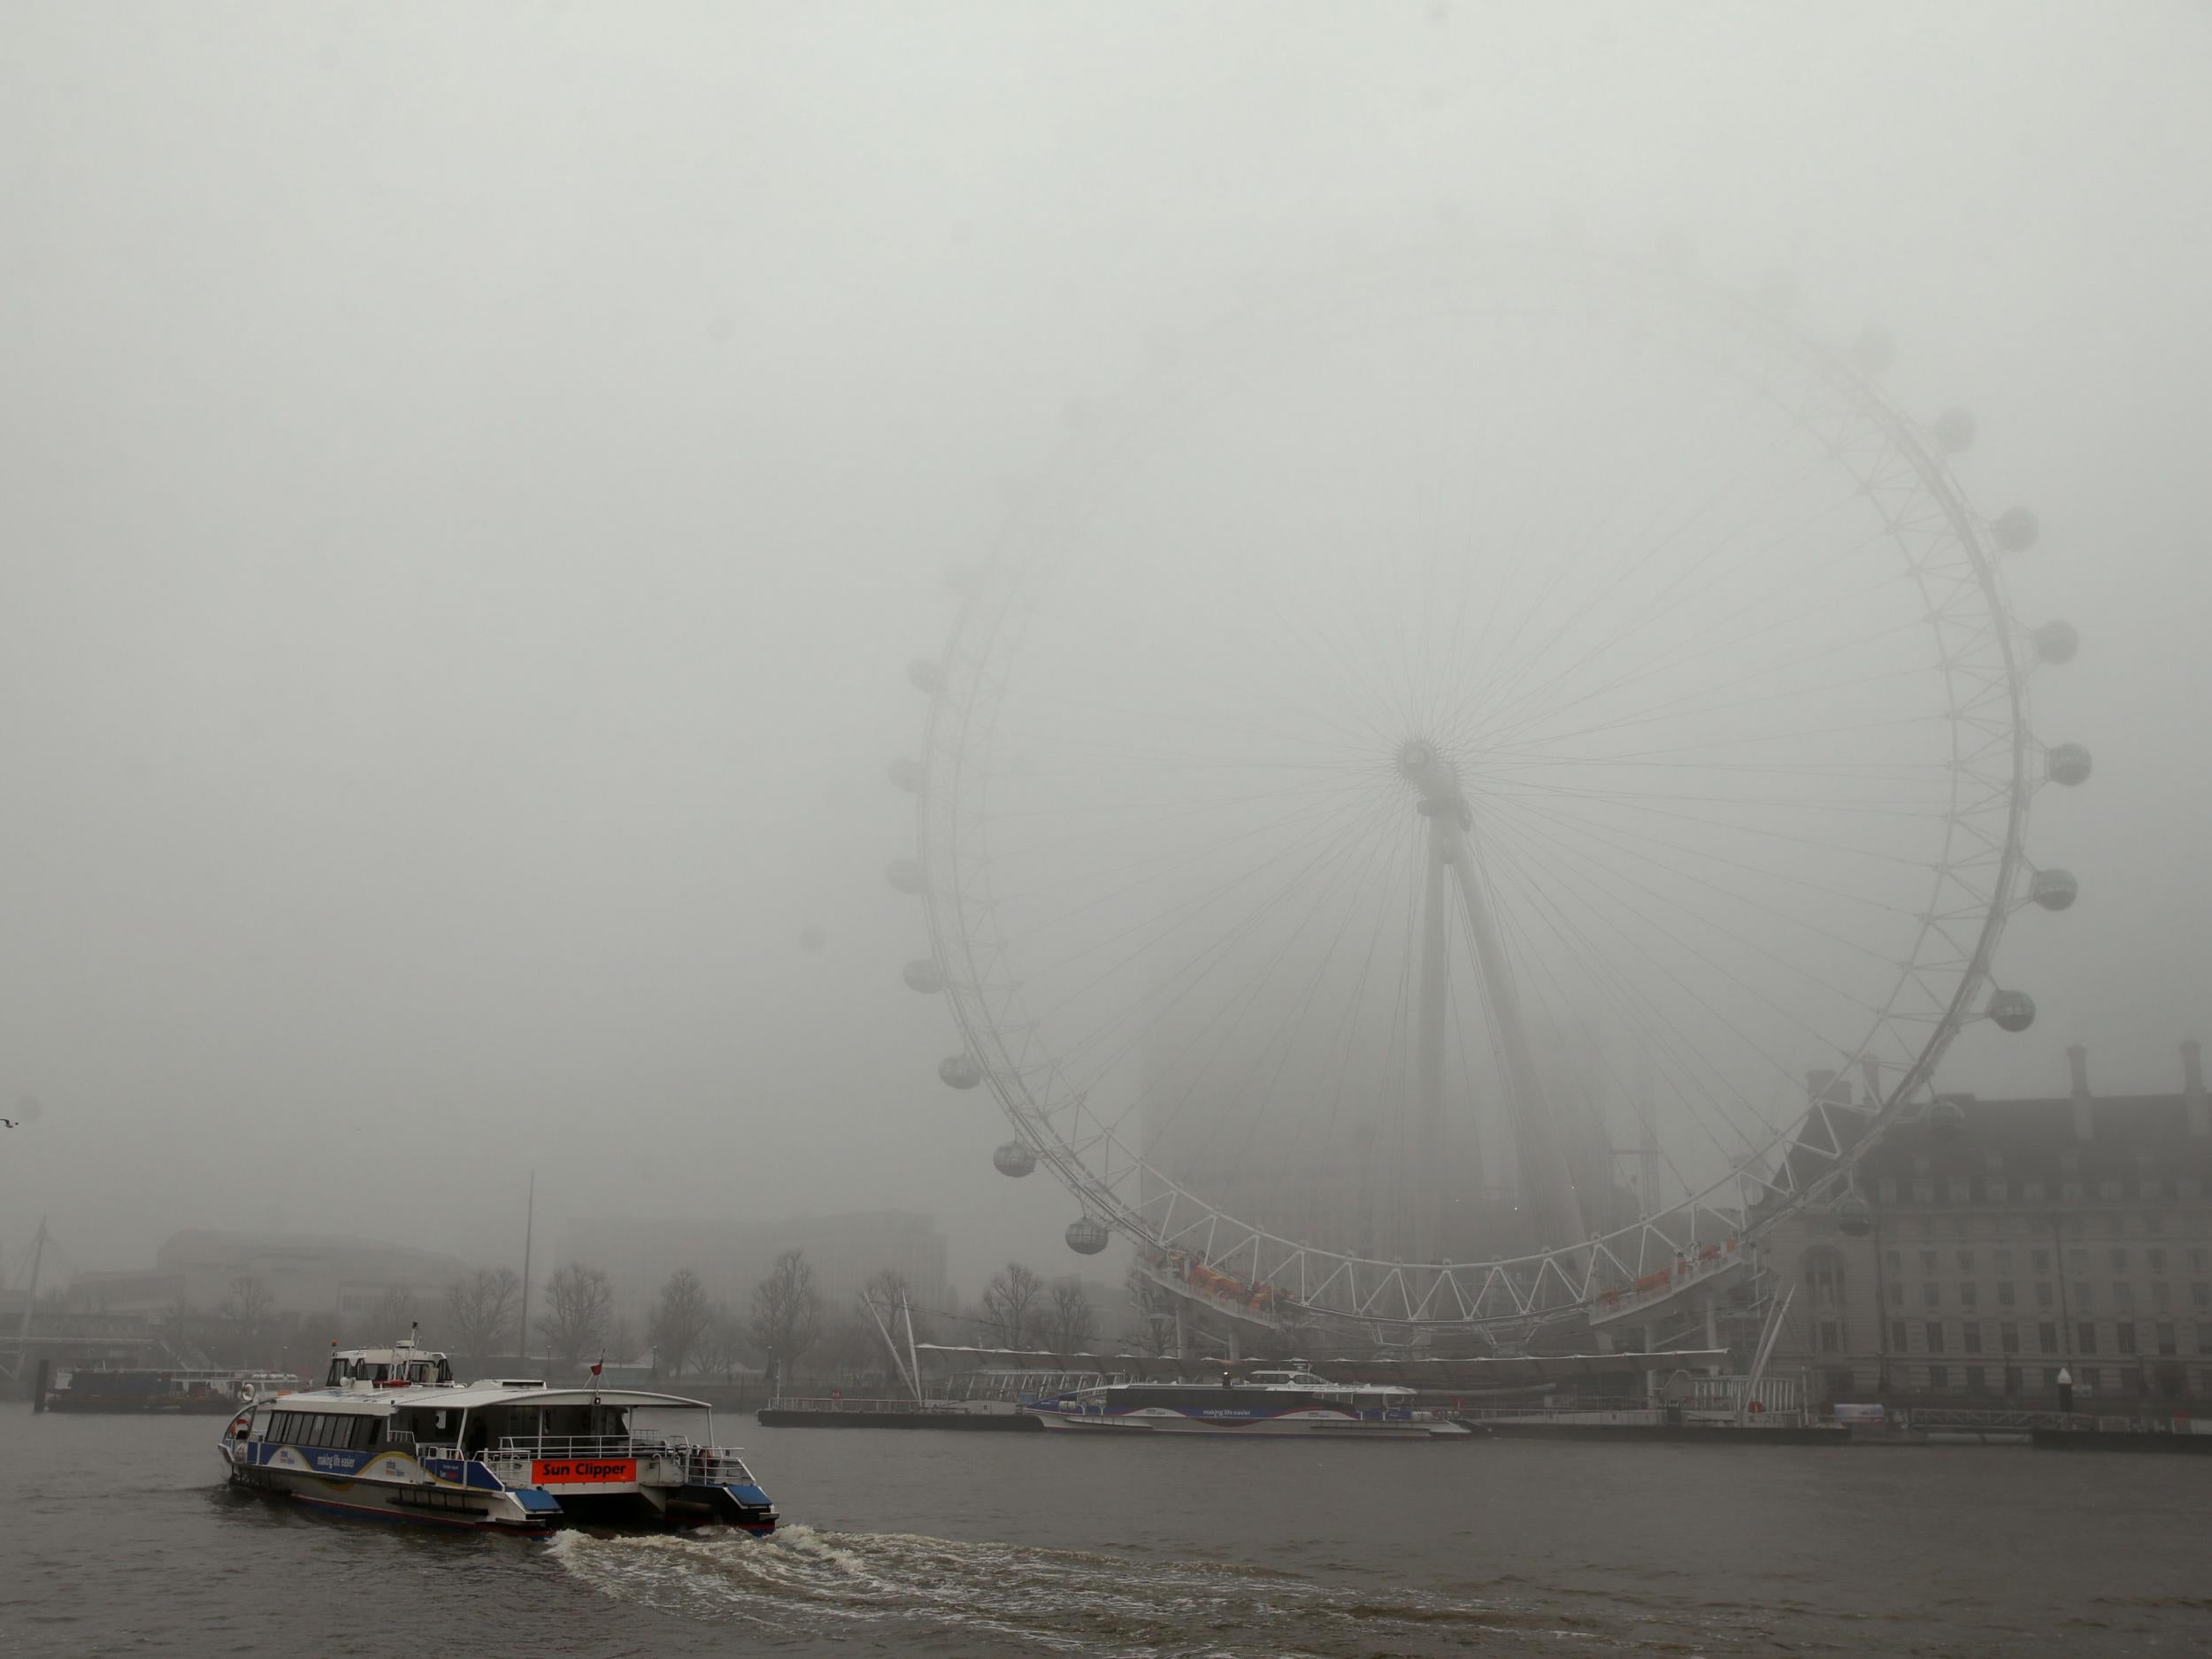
(597, 1363)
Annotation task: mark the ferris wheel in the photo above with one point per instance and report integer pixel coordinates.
(1477, 793)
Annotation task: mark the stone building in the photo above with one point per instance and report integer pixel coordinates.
(2007, 1240)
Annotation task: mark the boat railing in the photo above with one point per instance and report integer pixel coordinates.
(677, 1460)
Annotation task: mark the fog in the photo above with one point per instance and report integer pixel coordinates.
(474, 478)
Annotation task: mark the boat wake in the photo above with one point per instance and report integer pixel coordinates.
(904, 1593)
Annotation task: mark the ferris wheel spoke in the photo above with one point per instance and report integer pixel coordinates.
(1537, 699)
(1592, 878)
(1710, 1077)
(1637, 1012)
(1196, 968)
(1556, 825)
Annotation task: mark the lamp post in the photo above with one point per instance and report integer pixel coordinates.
(2065, 1391)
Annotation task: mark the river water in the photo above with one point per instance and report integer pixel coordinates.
(117, 1537)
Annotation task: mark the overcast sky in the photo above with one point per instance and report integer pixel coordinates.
(473, 477)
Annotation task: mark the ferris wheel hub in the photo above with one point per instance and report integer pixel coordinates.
(1428, 769)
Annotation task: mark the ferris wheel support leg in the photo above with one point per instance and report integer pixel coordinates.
(1550, 1183)
(1420, 1187)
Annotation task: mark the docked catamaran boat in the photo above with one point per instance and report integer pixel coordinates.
(391, 1434)
(1267, 1403)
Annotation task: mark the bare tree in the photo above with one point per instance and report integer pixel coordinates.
(786, 1316)
(246, 1303)
(1152, 1315)
(680, 1317)
(483, 1308)
(579, 1306)
(1012, 1302)
(723, 1349)
(393, 1314)
(1071, 1322)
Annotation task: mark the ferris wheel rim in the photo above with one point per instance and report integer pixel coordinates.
(1560, 1280)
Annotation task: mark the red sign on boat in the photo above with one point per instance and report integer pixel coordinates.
(575, 1471)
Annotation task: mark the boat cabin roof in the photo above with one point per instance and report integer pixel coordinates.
(470, 1397)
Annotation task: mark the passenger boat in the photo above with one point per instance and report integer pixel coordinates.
(390, 1434)
(173, 1393)
(1264, 1405)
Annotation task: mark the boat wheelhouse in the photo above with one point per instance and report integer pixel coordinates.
(391, 1434)
(1265, 1404)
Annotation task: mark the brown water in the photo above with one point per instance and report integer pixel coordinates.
(119, 1538)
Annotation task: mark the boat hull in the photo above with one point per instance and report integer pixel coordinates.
(395, 1487)
(1280, 1426)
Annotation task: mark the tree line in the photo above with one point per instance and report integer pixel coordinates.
(781, 1322)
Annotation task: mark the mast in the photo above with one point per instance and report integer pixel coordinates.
(529, 1221)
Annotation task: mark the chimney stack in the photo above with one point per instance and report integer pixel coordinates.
(2192, 1098)
(2078, 1057)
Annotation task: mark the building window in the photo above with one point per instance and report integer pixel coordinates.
(2031, 1190)
(1934, 1334)
(1897, 1342)
(1966, 1261)
(2157, 1257)
(2004, 1294)
(2200, 1298)
(2127, 1337)
(1893, 1262)
(2043, 1295)
(1831, 1337)
(2008, 1337)
(2040, 1260)
(1822, 1271)
(2001, 1261)
(2086, 1338)
(1996, 1189)
(1973, 1332)
(2200, 1259)
(1896, 1295)
(1924, 1192)
(2123, 1298)
(2204, 1337)
(2119, 1259)
(1927, 1261)
(1931, 1296)
(2167, 1347)
(1969, 1295)
(2046, 1337)
(2161, 1297)
(1962, 1190)
(2082, 1302)
(2069, 1192)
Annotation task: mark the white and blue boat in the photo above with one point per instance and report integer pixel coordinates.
(390, 1435)
(1264, 1405)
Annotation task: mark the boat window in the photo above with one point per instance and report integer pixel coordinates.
(336, 1379)
(280, 1426)
(365, 1433)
